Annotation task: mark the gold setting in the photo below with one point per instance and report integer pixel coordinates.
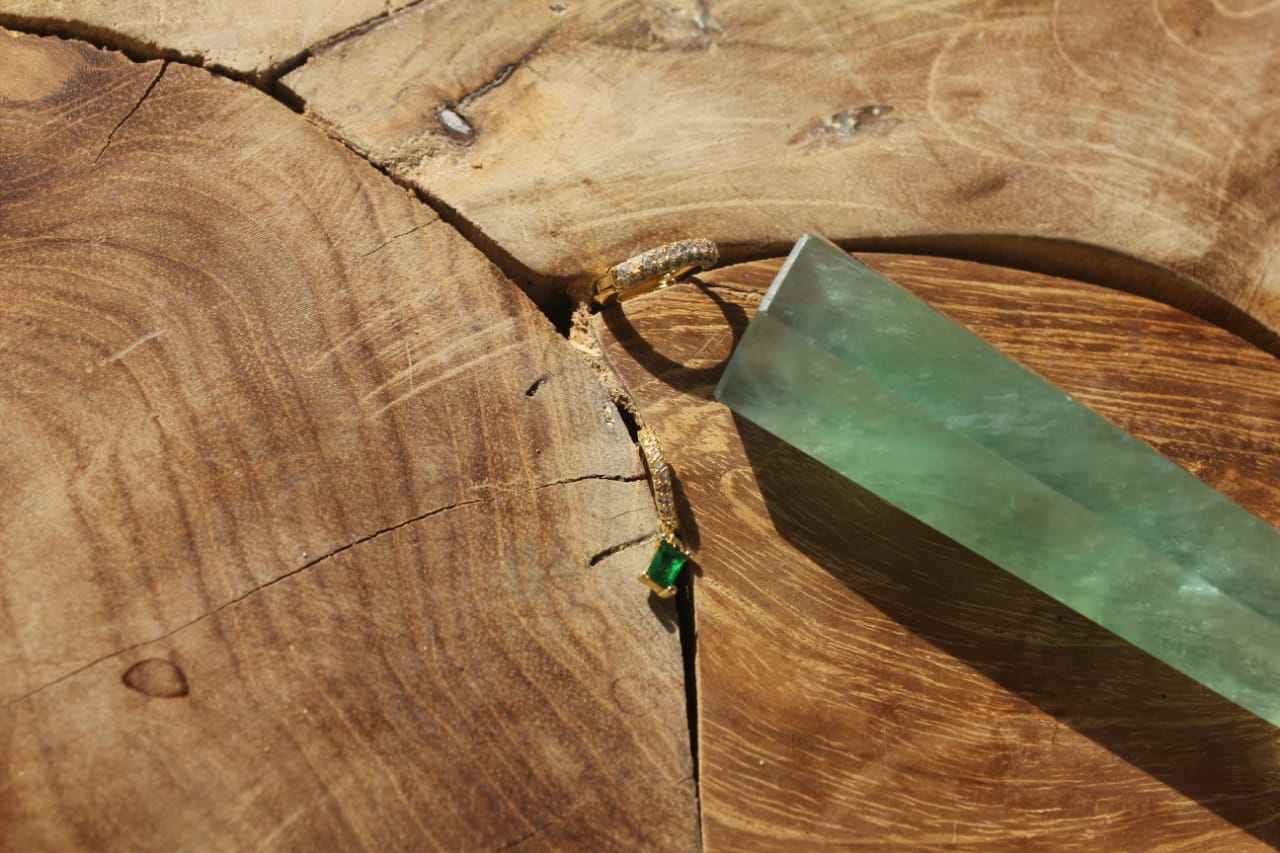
(664, 500)
(660, 477)
(646, 272)
(655, 269)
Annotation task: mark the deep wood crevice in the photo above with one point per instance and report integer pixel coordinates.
(140, 50)
(146, 93)
(556, 296)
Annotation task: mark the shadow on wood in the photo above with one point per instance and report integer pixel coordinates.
(861, 680)
(697, 381)
(1114, 693)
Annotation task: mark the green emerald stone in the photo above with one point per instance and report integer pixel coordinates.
(666, 564)
(867, 379)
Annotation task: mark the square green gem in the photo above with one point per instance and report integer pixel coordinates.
(666, 564)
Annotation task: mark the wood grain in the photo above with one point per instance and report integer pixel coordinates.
(864, 682)
(314, 533)
(252, 39)
(1049, 133)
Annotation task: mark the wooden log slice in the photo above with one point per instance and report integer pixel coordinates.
(864, 682)
(250, 39)
(314, 533)
(566, 135)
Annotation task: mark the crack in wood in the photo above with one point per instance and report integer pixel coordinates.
(329, 555)
(268, 79)
(104, 38)
(145, 94)
(452, 117)
(607, 478)
(142, 50)
(502, 75)
(242, 596)
(521, 839)
(394, 237)
(687, 626)
(622, 546)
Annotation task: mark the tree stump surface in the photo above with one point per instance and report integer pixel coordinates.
(566, 135)
(863, 681)
(249, 39)
(315, 532)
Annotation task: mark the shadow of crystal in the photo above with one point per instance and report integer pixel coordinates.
(1140, 709)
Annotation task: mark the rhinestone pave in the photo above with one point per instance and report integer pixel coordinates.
(660, 474)
(669, 260)
(670, 556)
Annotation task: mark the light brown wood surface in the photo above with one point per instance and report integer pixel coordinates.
(315, 533)
(862, 682)
(251, 39)
(581, 131)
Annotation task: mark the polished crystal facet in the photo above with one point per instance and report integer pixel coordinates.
(666, 564)
(858, 373)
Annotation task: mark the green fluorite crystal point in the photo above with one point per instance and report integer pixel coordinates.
(864, 377)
